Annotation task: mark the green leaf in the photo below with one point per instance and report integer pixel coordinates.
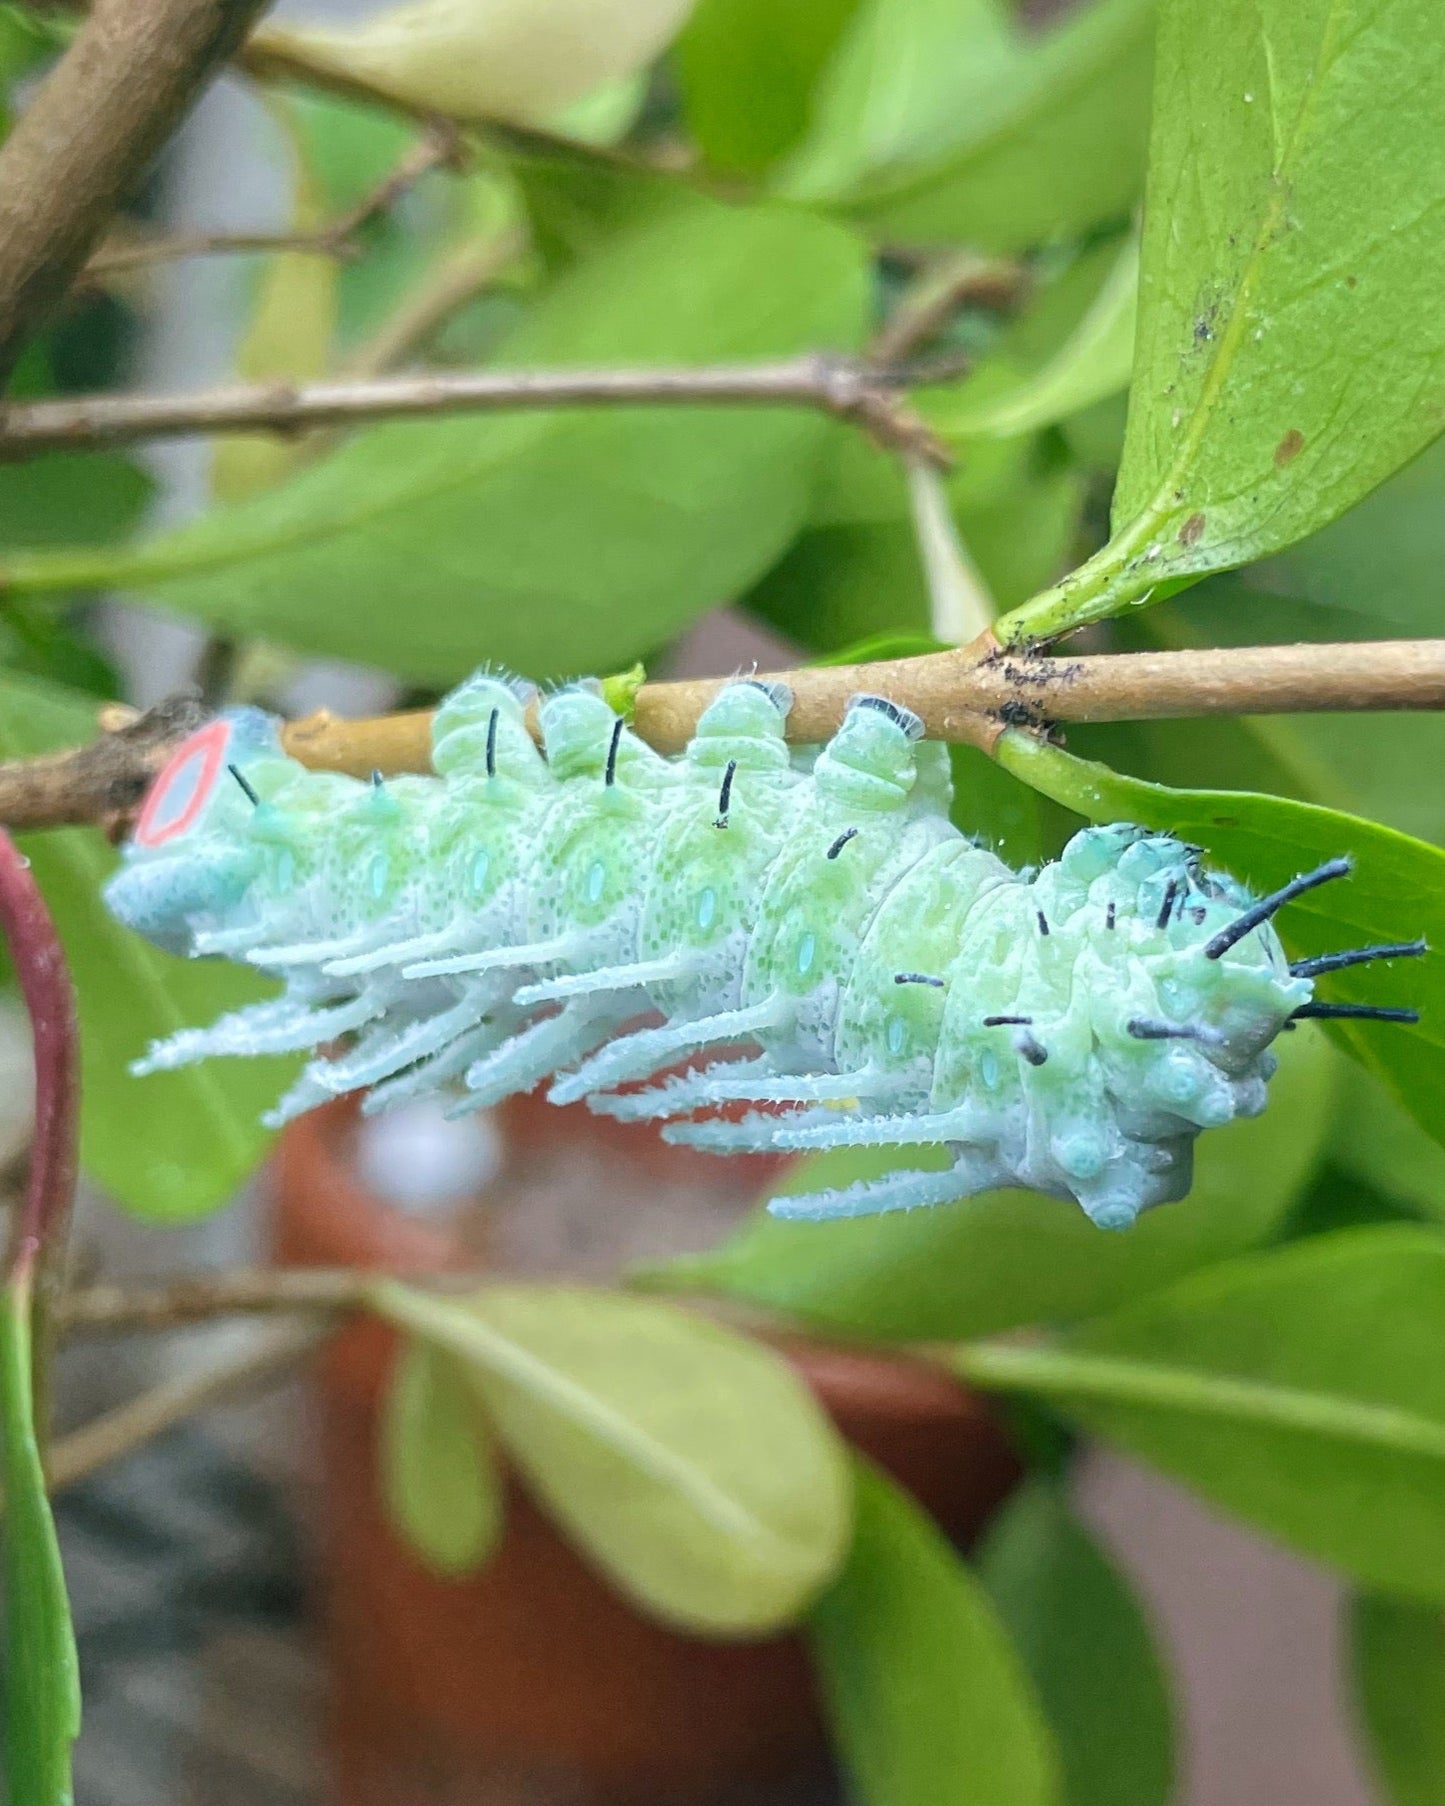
(747, 70)
(1086, 1644)
(440, 1486)
(1011, 1258)
(1303, 1389)
(1015, 505)
(1395, 893)
(1373, 1139)
(1399, 1686)
(570, 540)
(1094, 362)
(176, 1145)
(1375, 569)
(69, 498)
(693, 1466)
(42, 1681)
(1290, 349)
(894, 90)
(929, 1704)
(1047, 139)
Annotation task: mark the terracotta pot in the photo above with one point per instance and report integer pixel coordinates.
(534, 1680)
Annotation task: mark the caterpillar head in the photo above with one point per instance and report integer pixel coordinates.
(870, 762)
(194, 849)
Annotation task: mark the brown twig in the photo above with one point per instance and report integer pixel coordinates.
(267, 1356)
(102, 781)
(440, 144)
(970, 694)
(973, 693)
(936, 295)
(130, 74)
(458, 276)
(841, 386)
(119, 259)
(108, 1310)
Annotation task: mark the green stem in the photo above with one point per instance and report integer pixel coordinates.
(1111, 1380)
(1120, 575)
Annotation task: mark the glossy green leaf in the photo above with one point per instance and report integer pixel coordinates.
(894, 90)
(1289, 350)
(505, 59)
(748, 69)
(569, 540)
(1011, 1258)
(1015, 506)
(42, 1682)
(1375, 1140)
(1094, 362)
(929, 1704)
(69, 497)
(440, 1485)
(1377, 568)
(692, 1465)
(1395, 893)
(1045, 140)
(1086, 1644)
(175, 1145)
(1398, 1651)
(1303, 1389)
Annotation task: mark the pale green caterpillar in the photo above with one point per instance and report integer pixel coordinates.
(852, 970)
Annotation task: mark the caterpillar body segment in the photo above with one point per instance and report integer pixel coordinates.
(839, 965)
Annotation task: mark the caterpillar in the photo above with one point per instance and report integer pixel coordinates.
(850, 969)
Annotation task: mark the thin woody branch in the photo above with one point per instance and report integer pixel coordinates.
(86, 139)
(104, 781)
(844, 387)
(108, 1310)
(336, 238)
(969, 695)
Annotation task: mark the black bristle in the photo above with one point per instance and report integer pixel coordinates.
(1266, 907)
(1357, 956)
(1352, 1012)
(917, 978)
(609, 777)
(492, 742)
(1008, 1021)
(246, 785)
(1043, 923)
(725, 794)
(378, 782)
(1166, 908)
(1146, 1028)
(841, 842)
(1109, 914)
(1033, 1051)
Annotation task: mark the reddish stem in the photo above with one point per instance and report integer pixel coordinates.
(38, 1241)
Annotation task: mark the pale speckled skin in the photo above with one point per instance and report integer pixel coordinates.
(522, 914)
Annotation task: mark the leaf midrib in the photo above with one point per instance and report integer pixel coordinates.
(510, 1360)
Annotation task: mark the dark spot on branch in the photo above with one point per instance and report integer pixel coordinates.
(1289, 448)
(1192, 530)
